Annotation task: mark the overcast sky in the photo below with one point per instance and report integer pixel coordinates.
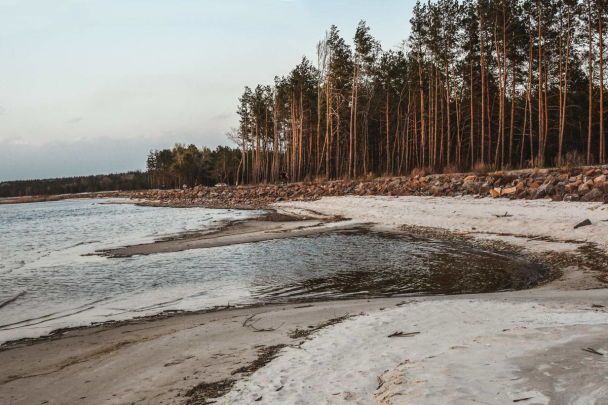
(90, 86)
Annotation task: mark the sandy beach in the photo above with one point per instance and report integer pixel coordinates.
(269, 226)
(545, 345)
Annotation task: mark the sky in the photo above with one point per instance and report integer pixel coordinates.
(90, 86)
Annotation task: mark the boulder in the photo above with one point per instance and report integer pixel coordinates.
(509, 191)
(593, 195)
(584, 188)
(543, 191)
(572, 197)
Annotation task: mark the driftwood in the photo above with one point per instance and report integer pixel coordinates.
(402, 334)
(250, 321)
(593, 351)
(11, 300)
(522, 399)
(505, 215)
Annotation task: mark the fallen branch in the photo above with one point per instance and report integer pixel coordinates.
(380, 382)
(305, 333)
(402, 334)
(250, 321)
(505, 215)
(593, 351)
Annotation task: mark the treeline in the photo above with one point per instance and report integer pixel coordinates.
(487, 83)
(191, 166)
(72, 185)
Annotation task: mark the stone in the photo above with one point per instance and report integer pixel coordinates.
(572, 197)
(583, 188)
(590, 172)
(594, 195)
(509, 191)
(586, 222)
(543, 191)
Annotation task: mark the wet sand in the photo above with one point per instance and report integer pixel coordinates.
(160, 361)
(267, 227)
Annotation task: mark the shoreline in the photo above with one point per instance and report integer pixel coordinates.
(270, 226)
(230, 349)
(572, 184)
(198, 353)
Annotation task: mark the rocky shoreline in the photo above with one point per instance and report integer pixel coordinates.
(588, 184)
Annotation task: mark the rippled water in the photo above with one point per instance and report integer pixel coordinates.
(45, 247)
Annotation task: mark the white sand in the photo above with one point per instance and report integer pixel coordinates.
(473, 216)
(467, 350)
(489, 349)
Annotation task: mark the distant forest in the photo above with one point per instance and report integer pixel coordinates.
(72, 185)
(166, 168)
(491, 84)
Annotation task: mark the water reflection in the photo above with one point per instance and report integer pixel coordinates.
(375, 265)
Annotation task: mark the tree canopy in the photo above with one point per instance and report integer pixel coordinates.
(493, 83)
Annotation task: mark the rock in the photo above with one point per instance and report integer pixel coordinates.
(594, 195)
(590, 172)
(584, 188)
(544, 190)
(551, 180)
(572, 197)
(590, 184)
(495, 192)
(509, 191)
(586, 222)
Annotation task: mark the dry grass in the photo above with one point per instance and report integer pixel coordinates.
(451, 169)
(483, 168)
(573, 159)
(265, 355)
(204, 393)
